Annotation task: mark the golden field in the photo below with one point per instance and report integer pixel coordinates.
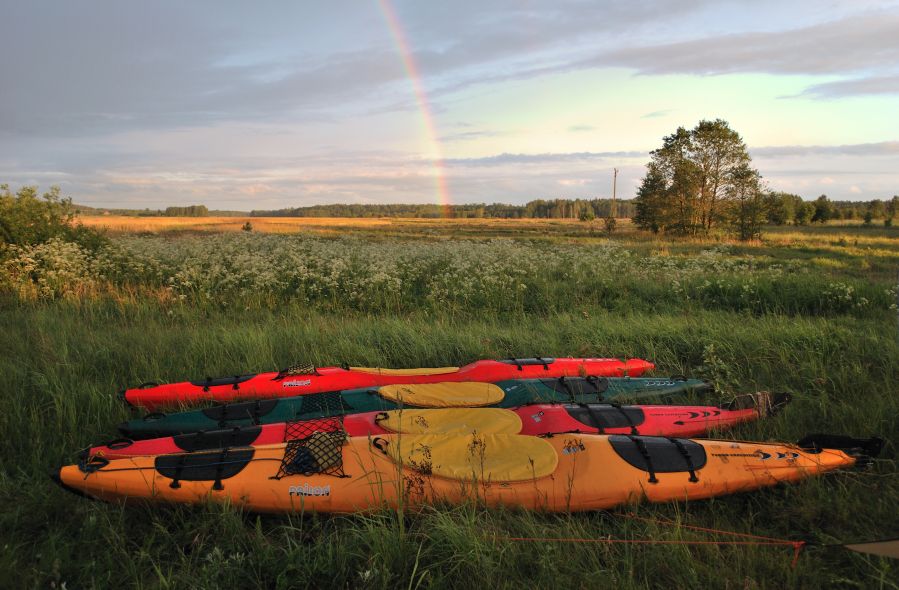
(837, 235)
(123, 224)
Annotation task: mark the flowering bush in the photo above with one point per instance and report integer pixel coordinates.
(376, 275)
(50, 270)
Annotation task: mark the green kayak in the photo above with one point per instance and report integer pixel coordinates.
(504, 394)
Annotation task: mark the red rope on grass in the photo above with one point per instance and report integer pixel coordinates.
(757, 540)
(703, 529)
(797, 545)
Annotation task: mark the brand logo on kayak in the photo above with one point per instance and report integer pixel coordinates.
(537, 417)
(573, 446)
(788, 456)
(302, 383)
(760, 454)
(308, 490)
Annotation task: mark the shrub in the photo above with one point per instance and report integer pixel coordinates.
(28, 219)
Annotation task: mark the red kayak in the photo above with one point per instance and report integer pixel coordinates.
(299, 380)
(537, 420)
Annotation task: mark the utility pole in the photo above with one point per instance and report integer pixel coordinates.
(614, 208)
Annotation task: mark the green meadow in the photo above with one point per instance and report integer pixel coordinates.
(809, 311)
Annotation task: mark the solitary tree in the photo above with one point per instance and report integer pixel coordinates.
(692, 179)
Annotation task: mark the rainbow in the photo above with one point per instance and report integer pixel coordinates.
(421, 97)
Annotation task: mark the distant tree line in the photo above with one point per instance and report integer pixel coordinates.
(701, 181)
(788, 209)
(189, 211)
(538, 209)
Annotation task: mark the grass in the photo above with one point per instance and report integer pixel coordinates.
(63, 358)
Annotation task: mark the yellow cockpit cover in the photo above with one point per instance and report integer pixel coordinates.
(458, 420)
(444, 395)
(481, 457)
(406, 372)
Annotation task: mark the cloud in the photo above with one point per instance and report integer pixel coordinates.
(469, 135)
(852, 44)
(254, 182)
(170, 102)
(567, 182)
(883, 148)
(100, 69)
(545, 158)
(872, 85)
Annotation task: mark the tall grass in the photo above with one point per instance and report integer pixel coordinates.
(63, 359)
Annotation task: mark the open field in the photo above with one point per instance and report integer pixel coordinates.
(810, 311)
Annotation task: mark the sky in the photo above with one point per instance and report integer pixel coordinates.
(244, 106)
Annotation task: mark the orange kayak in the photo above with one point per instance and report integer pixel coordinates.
(329, 472)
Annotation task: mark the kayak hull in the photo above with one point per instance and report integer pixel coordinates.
(584, 472)
(534, 420)
(504, 394)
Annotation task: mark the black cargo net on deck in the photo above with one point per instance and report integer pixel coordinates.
(320, 452)
(297, 369)
(330, 403)
(300, 429)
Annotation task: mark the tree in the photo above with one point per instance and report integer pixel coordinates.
(781, 207)
(651, 201)
(823, 211)
(722, 162)
(609, 224)
(892, 207)
(748, 203)
(692, 178)
(877, 209)
(189, 211)
(804, 212)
